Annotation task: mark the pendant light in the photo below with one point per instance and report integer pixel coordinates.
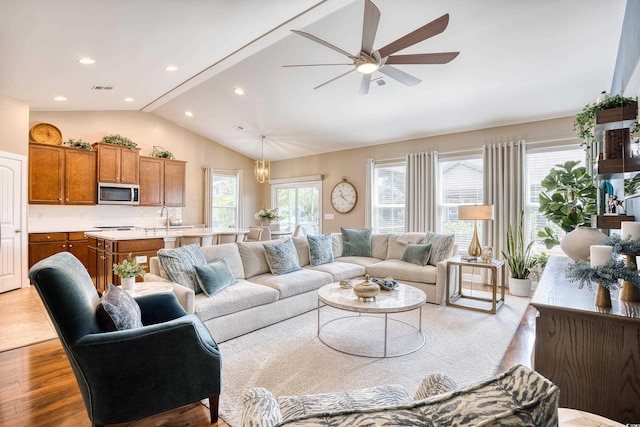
(263, 167)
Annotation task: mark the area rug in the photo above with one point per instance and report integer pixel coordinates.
(288, 358)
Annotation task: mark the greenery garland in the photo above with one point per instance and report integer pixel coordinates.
(622, 246)
(607, 275)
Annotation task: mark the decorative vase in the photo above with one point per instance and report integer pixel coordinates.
(576, 243)
(603, 297)
(366, 290)
(128, 283)
(265, 221)
(519, 287)
(628, 292)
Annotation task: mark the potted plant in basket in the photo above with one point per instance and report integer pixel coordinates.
(519, 259)
(127, 270)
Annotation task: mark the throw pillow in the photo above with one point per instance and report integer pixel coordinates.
(356, 242)
(282, 257)
(118, 310)
(180, 263)
(320, 250)
(416, 254)
(214, 276)
(441, 246)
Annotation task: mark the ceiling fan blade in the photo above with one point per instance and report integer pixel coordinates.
(369, 26)
(423, 58)
(401, 76)
(324, 43)
(431, 29)
(312, 65)
(364, 85)
(334, 79)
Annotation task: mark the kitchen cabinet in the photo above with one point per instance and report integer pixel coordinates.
(162, 182)
(117, 164)
(103, 253)
(61, 175)
(43, 245)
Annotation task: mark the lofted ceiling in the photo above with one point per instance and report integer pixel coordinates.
(519, 61)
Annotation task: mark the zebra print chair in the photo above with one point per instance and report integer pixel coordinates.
(518, 397)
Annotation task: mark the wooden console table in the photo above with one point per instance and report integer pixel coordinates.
(591, 353)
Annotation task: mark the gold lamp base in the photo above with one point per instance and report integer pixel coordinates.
(474, 247)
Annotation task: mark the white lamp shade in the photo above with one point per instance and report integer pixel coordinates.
(475, 212)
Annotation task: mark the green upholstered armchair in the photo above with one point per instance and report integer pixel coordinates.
(126, 375)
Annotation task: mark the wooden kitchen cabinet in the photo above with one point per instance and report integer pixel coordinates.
(43, 245)
(117, 164)
(61, 175)
(162, 182)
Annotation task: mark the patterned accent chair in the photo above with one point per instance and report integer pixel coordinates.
(518, 397)
(130, 374)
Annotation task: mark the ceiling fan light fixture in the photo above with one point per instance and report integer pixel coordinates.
(367, 67)
(263, 167)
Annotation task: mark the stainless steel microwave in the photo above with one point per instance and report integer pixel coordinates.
(118, 194)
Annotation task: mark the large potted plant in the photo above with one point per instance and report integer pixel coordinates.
(127, 270)
(519, 259)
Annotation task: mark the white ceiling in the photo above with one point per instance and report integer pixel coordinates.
(519, 61)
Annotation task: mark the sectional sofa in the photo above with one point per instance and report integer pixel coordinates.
(258, 298)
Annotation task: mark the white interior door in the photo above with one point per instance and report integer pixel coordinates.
(13, 244)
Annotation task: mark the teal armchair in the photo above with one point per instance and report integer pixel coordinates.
(127, 375)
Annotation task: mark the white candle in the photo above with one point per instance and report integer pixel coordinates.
(630, 227)
(600, 254)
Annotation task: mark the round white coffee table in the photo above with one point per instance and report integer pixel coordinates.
(403, 298)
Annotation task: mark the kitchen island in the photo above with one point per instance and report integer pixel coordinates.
(109, 247)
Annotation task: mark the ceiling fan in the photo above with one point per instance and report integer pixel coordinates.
(369, 60)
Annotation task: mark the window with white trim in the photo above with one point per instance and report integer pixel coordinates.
(225, 187)
(388, 197)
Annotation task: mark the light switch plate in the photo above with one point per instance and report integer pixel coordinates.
(329, 216)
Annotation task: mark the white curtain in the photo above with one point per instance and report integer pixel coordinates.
(504, 188)
(208, 193)
(420, 193)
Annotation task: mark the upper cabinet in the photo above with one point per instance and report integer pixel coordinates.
(162, 182)
(117, 164)
(61, 175)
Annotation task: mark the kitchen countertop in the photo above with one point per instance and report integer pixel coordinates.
(73, 229)
(161, 233)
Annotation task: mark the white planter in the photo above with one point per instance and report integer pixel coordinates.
(128, 283)
(576, 243)
(519, 287)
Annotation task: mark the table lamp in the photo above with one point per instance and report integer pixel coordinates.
(475, 213)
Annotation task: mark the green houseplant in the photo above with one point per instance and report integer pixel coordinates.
(127, 270)
(519, 259)
(569, 200)
(584, 123)
(117, 139)
(78, 143)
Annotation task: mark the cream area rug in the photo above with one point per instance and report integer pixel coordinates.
(288, 358)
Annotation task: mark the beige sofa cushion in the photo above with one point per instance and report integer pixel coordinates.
(230, 252)
(296, 282)
(340, 270)
(364, 261)
(254, 258)
(379, 245)
(302, 247)
(401, 270)
(398, 243)
(237, 297)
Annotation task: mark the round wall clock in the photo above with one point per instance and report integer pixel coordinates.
(45, 133)
(344, 196)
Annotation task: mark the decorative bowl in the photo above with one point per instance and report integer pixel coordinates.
(366, 290)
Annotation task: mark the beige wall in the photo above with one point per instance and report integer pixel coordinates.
(352, 163)
(148, 130)
(14, 122)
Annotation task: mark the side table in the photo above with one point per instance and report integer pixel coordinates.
(496, 267)
(148, 288)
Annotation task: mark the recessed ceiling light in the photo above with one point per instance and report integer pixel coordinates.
(171, 68)
(188, 113)
(86, 61)
(238, 91)
(129, 100)
(60, 98)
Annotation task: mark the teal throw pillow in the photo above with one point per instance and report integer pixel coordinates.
(320, 249)
(356, 242)
(282, 257)
(215, 276)
(180, 263)
(441, 246)
(118, 310)
(416, 254)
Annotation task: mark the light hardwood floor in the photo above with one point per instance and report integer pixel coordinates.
(37, 386)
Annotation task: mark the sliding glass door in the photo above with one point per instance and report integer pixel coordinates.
(298, 204)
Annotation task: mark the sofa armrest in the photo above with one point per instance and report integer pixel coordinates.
(186, 297)
(441, 280)
(433, 385)
(260, 408)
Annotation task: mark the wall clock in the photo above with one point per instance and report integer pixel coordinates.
(45, 133)
(344, 196)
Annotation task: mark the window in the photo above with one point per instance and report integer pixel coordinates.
(388, 197)
(298, 204)
(539, 163)
(225, 210)
(460, 182)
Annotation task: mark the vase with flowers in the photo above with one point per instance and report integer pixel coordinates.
(127, 270)
(266, 215)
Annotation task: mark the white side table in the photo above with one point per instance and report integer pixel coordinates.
(148, 288)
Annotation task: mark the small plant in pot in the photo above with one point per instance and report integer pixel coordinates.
(519, 259)
(127, 270)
